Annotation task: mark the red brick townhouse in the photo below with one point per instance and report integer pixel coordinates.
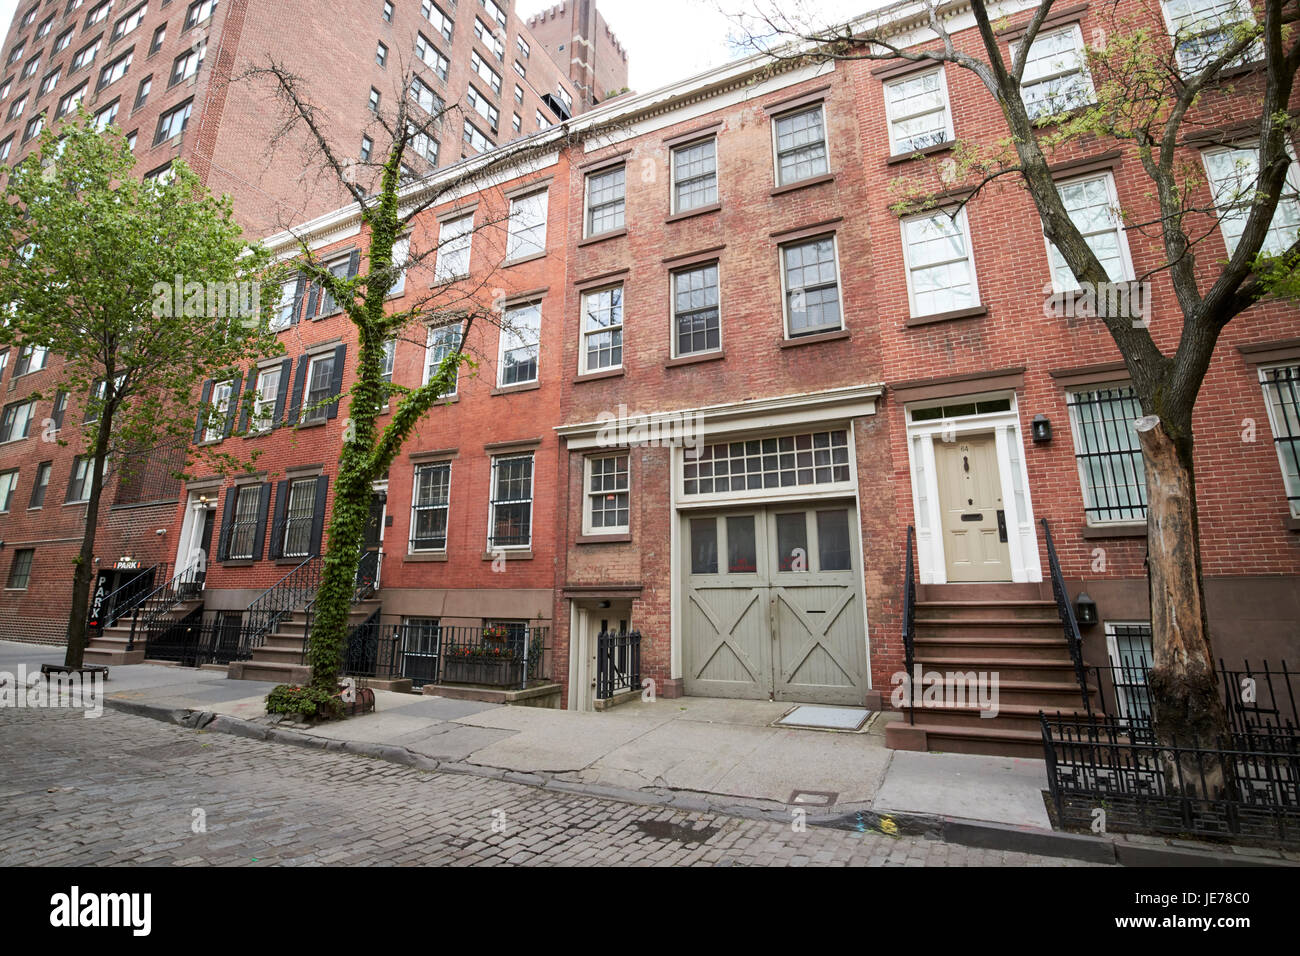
(464, 519)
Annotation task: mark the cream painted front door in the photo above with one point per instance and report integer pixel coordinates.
(970, 498)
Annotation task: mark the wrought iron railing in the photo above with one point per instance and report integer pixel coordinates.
(121, 602)
(197, 640)
(618, 662)
(368, 571)
(1069, 624)
(501, 657)
(293, 591)
(154, 610)
(909, 619)
(371, 653)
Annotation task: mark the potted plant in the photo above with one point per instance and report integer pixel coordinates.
(495, 665)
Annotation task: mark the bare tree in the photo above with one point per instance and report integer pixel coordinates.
(1151, 89)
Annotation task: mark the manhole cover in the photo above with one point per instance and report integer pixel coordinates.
(825, 718)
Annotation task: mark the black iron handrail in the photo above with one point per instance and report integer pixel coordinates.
(291, 592)
(110, 613)
(166, 596)
(909, 621)
(1069, 625)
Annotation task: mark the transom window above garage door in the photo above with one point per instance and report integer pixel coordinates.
(808, 460)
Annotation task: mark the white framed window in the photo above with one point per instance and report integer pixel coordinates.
(455, 239)
(919, 115)
(940, 264)
(520, 344)
(441, 341)
(1093, 206)
(811, 286)
(809, 459)
(425, 98)
(510, 510)
(8, 485)
(401, 257)
(1111, 471)
(341, 269)
(299, 516)
(606, 201)
(284, 309)
(1056, 78)
(218, 411)
(608, 498)
(1233, 174)
(1131, 652)
(695, 175)
(431, 56)
(320, 391)
(1201, 29)
(697, 318)
(1281, 386)
(265, 399)
(243, 526)
(441, 22)
(602, 329)
(430, 506)
(527, 236)
(801, 152)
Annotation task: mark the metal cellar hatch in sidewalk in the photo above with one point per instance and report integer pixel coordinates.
(808, 717)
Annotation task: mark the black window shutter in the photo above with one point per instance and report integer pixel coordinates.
(336, 386)
(318, 513)
(286, 379)
(313, 293)
(354, 263)
(246, 400)
(203, 408)
(295, 406)
(227, 518)
(232, 409)
(275, 547)
(298, 293)
(263, 507)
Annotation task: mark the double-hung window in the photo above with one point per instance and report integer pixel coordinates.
(1282, 398)
(31, 358)
(810, 276)
(16, 420)
(1111, 471)
(173, 122)
(485, 72)
(476, 138)
(442, 341)
(608, 499)
(919, 116)
(49, 81)
(8, 485)
(112, 72)
(266, 397)
(1234, 179)
(455, 239)
(441, 22)
(485, 109)
(940, 266)
(606, 201)
(801, 145)
(697, 324)
(695, 175)
(68, 102)
(320, 388)
(243, 527)
(520, 340)
(1202, 29)
(130, 22)
(188, 63)
(430, 503)
(511, 519)
(40, 484)
(80, 480)
(431, 56)
(299, 516)
(425, 98)
(489, 39)
(602, 329)
(20, 572)
(219, 410)
(527, 226)
(1094, 209)
(84, 57)
(199, 11)
(1056, 78)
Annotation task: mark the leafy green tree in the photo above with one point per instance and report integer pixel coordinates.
(130, 284)
(1153, 88)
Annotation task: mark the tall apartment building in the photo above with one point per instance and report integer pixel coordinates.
(722, 253)
(577, 37)
(173, 75)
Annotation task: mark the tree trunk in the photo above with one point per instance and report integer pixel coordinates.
(1186, 704)
(78, 623)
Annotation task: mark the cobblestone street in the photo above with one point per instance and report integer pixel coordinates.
(128, 790)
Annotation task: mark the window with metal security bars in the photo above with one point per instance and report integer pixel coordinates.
(1130, 651)
(298, 518)
(695, 175)
(757, 464)
(608, 499)
(1282, 397)
(243, 528)
(1111, 471)
(606, 201)
(602, 329)
(696, 320)
(512, 502)
(801, 146)
(430, 501)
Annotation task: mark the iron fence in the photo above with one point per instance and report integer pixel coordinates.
(151, 614)
(1065, 610)
(196, 641)
(618, 662)
(123, 601)
(431, 653)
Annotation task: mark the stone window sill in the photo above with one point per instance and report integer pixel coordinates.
(974, 312)
(803, 184)
(695, 359)
(422, 556)
(521, 387)
(518, 555)
(918, 153)
(592, 240)
(597, 376)
(603, 538)
(1096, 532)
(692, 213)
(836, 336)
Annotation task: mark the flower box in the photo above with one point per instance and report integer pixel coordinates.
(478, 670)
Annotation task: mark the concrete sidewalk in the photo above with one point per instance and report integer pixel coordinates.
(723, 755)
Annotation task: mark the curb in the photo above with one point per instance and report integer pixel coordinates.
(980, 834)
